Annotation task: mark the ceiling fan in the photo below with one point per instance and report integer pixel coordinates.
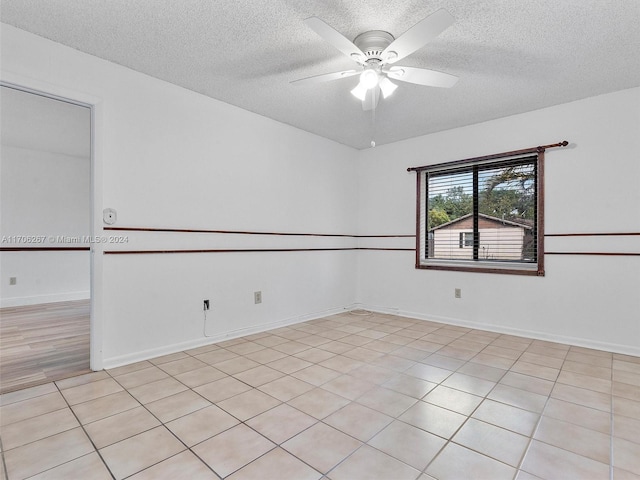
(377, 52)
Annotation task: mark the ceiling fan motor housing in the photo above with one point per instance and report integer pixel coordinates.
(373, 43)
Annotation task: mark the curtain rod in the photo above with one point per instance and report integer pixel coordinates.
(538, 149)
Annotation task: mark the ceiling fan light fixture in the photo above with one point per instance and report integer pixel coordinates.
(369, 79)
(387, 87)
(360, 92)
(376, 50)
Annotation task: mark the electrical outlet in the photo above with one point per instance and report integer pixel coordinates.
(458, 293)
(13, 280)
(257, 297)
(206, 304)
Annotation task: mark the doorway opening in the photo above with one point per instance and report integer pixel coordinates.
(46, 232)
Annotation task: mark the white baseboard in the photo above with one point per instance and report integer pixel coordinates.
(377, 309)
(538, 335)
(200, 342)
(37, 299)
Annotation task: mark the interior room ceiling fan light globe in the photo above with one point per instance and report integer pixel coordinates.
(387, 87)
(360, 92)
(369, 79)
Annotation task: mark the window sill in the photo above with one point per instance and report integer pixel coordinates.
(506, 268)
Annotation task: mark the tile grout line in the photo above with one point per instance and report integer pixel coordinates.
(377, 385)
(241, 422)
(144, 406)
(67, 407)
(187, 448)
(450, 440)
(4, 462)
(84, 431)
(322, 420)
(610, 416)
(485, 397)
(539, 421)
(366, 442)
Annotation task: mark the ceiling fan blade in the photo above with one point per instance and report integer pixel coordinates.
(370, 102)
(422, 76)
(417, 36)
(336, 39)
(326, 77)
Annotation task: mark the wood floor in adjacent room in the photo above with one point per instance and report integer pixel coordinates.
(43, 343)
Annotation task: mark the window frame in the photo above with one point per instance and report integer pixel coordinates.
(481, 266)
(465, 240)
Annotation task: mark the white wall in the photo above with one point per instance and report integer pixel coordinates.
(591, 186)
(43, 194)
(168, 157)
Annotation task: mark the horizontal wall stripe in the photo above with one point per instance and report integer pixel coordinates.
(384, 236)
(619, 254)
(258, 250)
(267, 250)
(384, 248)
(242, 232)
(43, 249)
(602, 234)
(249, 250)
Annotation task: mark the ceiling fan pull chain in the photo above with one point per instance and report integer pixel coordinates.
(373, 127)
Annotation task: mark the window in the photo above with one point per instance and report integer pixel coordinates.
(466, 239)
(482, 214)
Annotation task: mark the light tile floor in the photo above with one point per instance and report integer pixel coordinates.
(345, 397)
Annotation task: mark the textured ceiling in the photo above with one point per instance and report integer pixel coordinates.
(511, 56)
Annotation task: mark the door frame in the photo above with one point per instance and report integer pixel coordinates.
(36, 87)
